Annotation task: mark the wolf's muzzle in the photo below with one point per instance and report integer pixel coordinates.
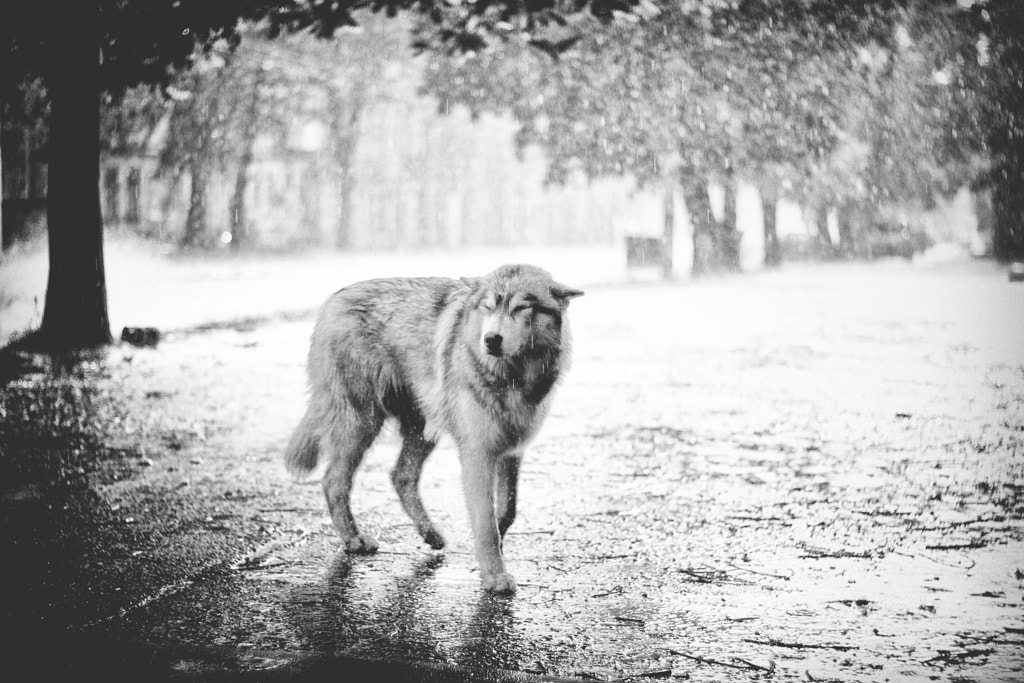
(492, 342)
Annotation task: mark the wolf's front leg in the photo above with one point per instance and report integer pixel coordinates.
(478, 480)
(406, 478)
(508, 492)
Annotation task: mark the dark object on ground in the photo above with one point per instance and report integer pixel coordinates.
(895, 239)
(1017, 272)
(644, 251)
(141, 336)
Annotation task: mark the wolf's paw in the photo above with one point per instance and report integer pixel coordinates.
(503, 584)
(433, 539)
(361, 545)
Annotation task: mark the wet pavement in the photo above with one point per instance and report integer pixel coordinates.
(815, 475)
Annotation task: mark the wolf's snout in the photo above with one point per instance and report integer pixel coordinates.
(492, 341)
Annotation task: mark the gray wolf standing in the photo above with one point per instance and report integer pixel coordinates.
(475, 358)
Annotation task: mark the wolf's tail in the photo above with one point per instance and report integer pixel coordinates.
(303, 452)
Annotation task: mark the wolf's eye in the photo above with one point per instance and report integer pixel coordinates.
(487, 305)
(520, 309)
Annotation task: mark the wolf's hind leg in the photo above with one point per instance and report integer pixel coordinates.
(345, 445)
(406, 478)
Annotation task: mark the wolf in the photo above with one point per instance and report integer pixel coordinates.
(475, 358)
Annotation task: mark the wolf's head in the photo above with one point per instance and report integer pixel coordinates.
(515, 313)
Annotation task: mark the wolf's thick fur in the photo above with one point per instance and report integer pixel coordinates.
(474, 358)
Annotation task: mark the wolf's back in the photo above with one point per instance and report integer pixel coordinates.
(371, 339)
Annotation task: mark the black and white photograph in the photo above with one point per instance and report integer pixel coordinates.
(512, 341)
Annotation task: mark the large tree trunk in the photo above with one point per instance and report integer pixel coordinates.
(824, 236)
(167, 203)
(1, 198)
(75, 315)
(847, 236)
(1008, 218)
(668, 236)
(346, 191)
(195, 223)
(311, 233)
(698, 204)
(202, 154)
(345, 137)
(769, 212)
(730, 234)
(240, 233)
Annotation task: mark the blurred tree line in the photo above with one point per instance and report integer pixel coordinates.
(232, 100)
(80, 50)
(839, 106)
(264, 145)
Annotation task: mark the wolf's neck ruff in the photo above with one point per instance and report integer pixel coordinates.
(498, 380)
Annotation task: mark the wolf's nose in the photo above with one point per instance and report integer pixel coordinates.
(492, 340)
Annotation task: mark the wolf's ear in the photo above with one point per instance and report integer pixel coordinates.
(564, 293)
(470, 282)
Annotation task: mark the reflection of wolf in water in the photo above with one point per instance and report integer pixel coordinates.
(476, 358)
